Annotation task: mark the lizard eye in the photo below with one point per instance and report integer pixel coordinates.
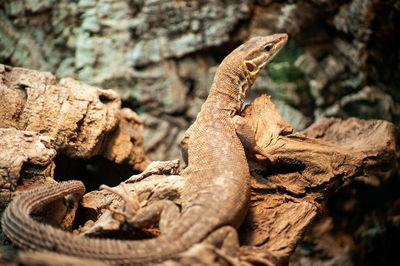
(268, 48)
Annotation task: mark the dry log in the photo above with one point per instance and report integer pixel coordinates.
(84, 121)
(40, 118)
(289, 194)
(155, 186)
(26, 160)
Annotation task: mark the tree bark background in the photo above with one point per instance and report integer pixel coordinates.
(342, 60)
(160, 56)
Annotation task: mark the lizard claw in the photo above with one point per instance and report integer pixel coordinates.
(259, 154)
(132, 202)
(156, 167)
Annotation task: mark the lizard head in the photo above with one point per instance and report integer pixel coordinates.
(255, 54)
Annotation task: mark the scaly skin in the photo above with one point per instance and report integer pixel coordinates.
(216, 191)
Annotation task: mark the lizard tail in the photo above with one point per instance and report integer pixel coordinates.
(27, 233)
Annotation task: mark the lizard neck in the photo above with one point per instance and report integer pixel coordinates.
(225, 91)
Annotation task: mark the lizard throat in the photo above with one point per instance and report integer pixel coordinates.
(251, 71)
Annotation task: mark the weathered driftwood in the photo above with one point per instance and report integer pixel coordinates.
(287, 194)
(84, 121)
(306, 170)
(40, 118)
(26, 160)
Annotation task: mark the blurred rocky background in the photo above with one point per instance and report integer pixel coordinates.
(342, 60)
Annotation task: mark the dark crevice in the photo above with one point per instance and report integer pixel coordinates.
(366, 213)
(79, 125)
(105, 99)
(31, 170)
(133, 103)
(19, 112)
(93, 172)
(285, 165)
(278, 190)
(22, 87)
(7, 65)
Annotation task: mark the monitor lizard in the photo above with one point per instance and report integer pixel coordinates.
(216, 190)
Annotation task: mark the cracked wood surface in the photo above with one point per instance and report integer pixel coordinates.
(26, 160)
(307, 167)
(83, 120)
(41, 119)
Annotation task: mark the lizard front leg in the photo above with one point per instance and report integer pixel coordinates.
(163, 211)
(225, 238)
(247, 138)
(184, 145)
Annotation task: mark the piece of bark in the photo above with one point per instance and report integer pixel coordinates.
(26, 160)
(82, 119)
(362, 135)
(331, 249)
(125, 144)
(96, 204)
(288, 195)
(40, 118)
